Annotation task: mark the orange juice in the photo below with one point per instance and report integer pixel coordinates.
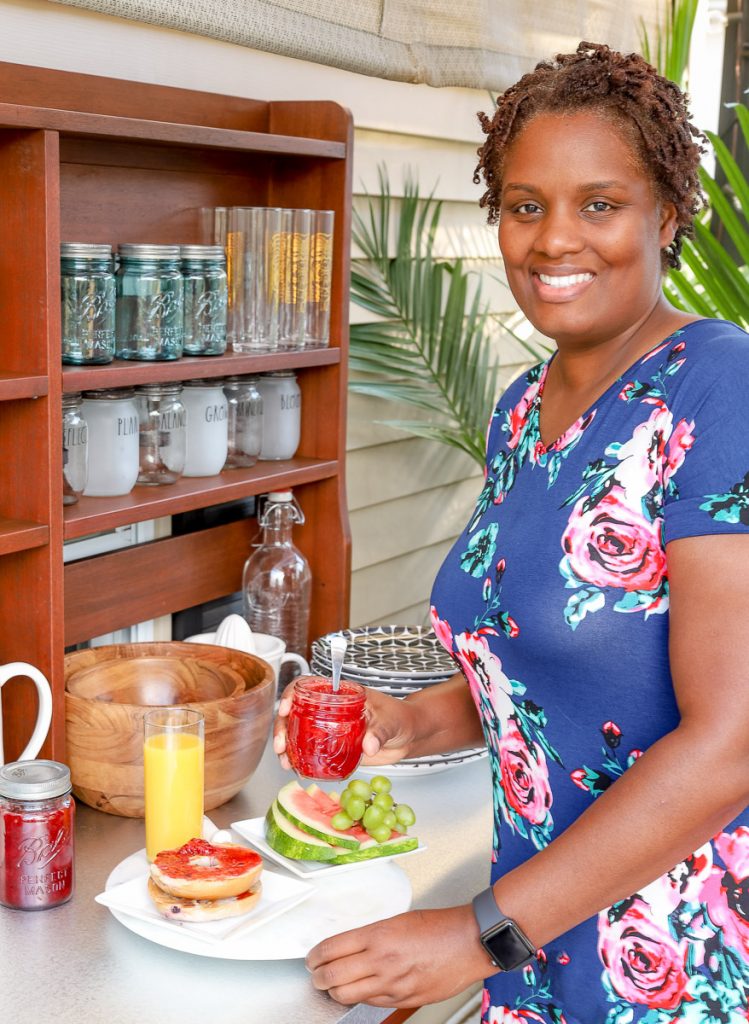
(173, 764)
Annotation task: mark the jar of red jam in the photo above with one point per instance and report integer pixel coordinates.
(325, 728)
(36, 835)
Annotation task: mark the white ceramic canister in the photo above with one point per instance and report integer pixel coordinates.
(207, 427)
(282, 414)
(113, 448)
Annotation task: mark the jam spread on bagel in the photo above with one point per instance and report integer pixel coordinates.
(200, 859)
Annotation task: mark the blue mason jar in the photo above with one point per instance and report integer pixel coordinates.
(204, 275)
(150, 302)
(87, 293)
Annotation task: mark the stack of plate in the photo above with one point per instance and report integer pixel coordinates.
(397, 660)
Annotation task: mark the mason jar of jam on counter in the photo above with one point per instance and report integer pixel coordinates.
(37, 815)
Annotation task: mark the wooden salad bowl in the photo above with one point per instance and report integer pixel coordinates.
(109, 690)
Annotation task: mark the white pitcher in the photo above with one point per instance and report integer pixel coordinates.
(43, 712)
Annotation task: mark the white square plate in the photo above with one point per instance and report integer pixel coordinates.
(279, 894)
(253, 830)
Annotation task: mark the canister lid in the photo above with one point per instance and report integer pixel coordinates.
(280, 496)
(148, 252)
(171, 388)
(110, 394)
(34, 780)
(202, 252)
(85, 250)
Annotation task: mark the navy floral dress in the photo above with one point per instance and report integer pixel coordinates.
(554, 603)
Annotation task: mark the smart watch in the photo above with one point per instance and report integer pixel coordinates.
(507, 945)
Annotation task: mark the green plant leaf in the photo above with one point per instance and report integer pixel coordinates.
(432, 344)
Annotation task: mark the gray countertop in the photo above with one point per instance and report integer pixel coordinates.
(77, 965)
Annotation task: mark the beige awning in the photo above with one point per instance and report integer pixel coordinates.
(485, 44)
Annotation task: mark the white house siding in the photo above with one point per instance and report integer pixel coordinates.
(408, 497)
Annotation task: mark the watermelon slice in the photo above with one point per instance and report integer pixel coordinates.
(298, 826)
(311, 812)
(285, 838)
(397, 843)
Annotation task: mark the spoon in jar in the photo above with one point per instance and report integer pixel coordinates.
(338, 646)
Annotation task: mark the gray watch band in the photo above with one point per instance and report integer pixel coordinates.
(486, 910)
(508, 946)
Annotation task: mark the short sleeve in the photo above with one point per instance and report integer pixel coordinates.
(706, 467)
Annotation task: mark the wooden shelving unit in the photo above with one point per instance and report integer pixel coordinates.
(84, 158)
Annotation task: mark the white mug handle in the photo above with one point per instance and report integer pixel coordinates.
(44, 711)
(296, 659)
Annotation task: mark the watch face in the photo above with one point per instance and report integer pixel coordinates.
(508, 947)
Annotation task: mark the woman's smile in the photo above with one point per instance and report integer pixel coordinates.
(559, 284)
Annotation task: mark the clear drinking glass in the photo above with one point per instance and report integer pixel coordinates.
(295, 263)
(174, 772)
(317, 333)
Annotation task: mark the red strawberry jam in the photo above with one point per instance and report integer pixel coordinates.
(325, 729)
(36, 835)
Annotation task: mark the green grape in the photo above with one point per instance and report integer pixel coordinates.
(355, 807)
(404, 815)
(383, 800)
(380, 834)
(344, 799)
(359, 787)
(389, 820)
(381, 784)
(373, 816)
(341, 821)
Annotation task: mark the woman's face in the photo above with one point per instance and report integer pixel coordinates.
(581, 230)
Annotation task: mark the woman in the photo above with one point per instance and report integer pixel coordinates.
(597, 603)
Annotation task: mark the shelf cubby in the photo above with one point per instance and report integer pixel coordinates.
(85, 158)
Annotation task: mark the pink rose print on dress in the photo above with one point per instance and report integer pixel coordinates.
(488, 683)
(524, 775)
(515, 735)
(504, 1015)
(610, 545)
(726, 893)
(653, 454)
(733, 848)
(613, 545)
(518, 415)
(645, 964)
(441, 630)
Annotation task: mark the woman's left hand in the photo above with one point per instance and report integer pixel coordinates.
(412, 959)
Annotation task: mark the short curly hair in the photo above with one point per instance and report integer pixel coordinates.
(650, 108)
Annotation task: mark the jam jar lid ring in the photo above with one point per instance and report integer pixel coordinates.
(34, 780)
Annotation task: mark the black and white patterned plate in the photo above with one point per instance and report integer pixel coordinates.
(390, 652)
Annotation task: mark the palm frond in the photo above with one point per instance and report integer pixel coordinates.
(669, 51)
(431, 346)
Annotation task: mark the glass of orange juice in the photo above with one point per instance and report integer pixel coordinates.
(173, 762)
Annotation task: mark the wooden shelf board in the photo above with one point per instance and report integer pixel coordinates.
(92, 515)
(14, 386)
(20, 535)
(127, 373)
(74, 122)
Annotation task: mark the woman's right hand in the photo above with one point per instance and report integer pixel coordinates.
(389, 735)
